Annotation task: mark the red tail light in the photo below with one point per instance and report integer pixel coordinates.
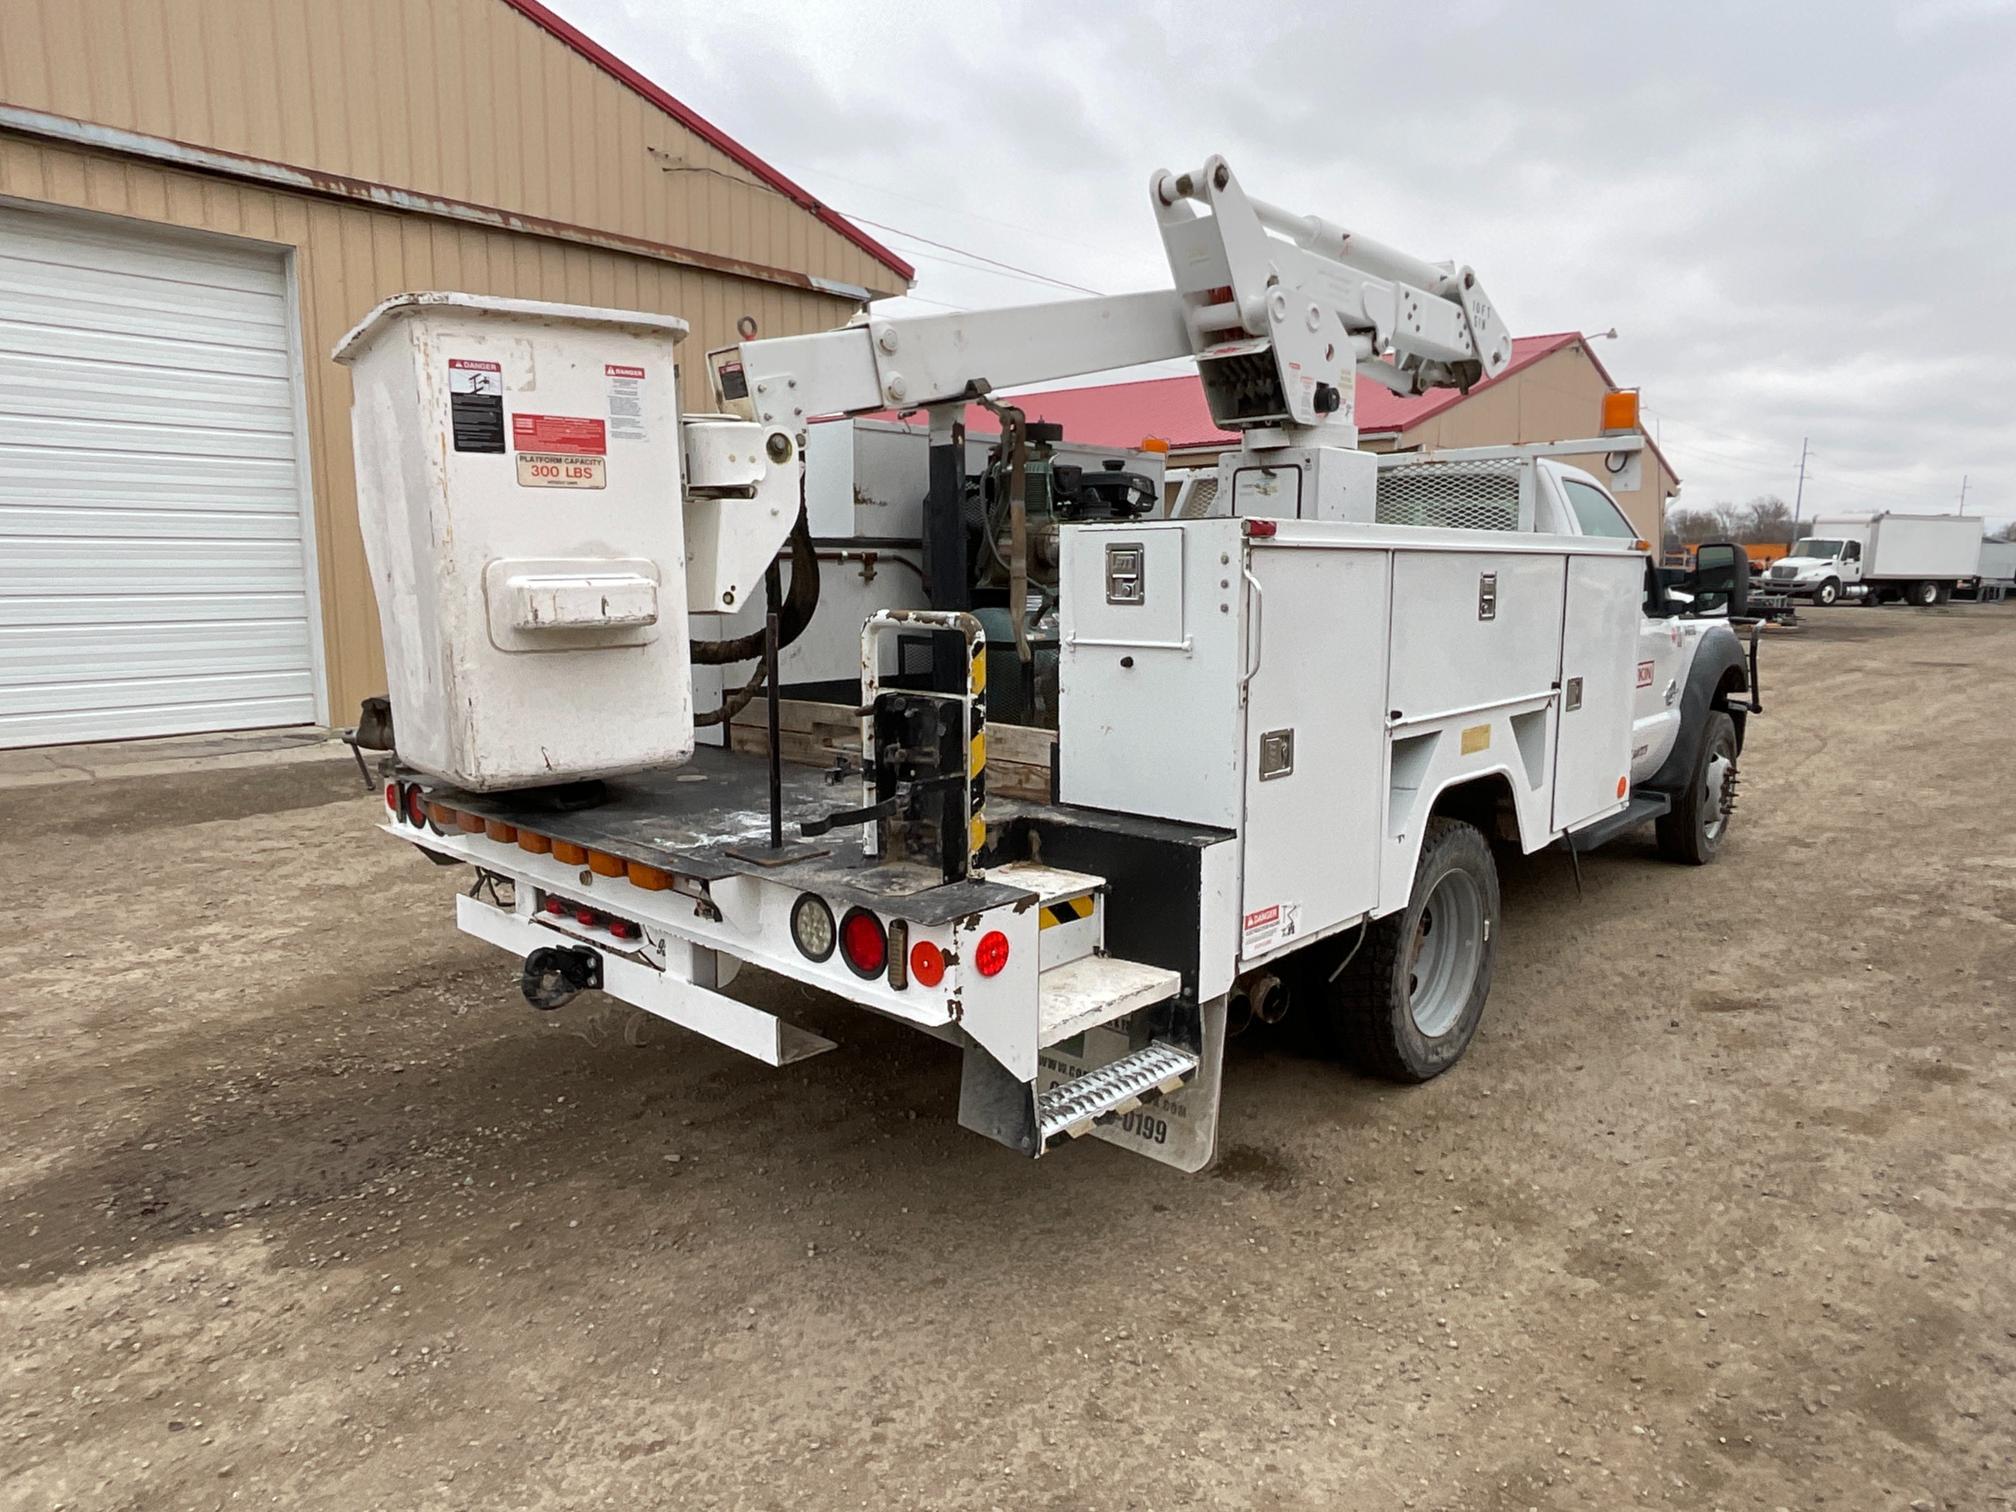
(991, 954)
(392, 796)
(863, 943)
(416, 807)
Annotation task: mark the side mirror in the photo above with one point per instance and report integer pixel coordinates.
(1721, 580)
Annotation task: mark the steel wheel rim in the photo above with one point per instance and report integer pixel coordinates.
(1715, 790)
(1446, 955)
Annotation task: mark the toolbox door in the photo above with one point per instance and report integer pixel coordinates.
(1315, 746)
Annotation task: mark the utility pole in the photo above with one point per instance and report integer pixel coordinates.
(1800, 494)
(1963, 493)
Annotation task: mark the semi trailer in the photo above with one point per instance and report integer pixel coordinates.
(1287, 736)
(1873, 559)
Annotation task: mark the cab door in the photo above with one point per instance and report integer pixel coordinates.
(1655, 709)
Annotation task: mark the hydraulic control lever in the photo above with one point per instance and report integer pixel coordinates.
(907, 801)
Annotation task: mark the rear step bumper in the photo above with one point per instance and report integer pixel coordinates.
(1052, 1053)
(1073, 1108)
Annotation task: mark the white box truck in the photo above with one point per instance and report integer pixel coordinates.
(1876, 558)
(1996, 579)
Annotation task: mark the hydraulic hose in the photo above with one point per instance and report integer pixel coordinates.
(800, 602)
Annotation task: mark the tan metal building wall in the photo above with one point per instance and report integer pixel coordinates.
(551, 177)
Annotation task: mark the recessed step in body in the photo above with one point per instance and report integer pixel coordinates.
(1071, 924)
(1092, 990)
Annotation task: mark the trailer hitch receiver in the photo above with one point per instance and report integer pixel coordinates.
(555, 974)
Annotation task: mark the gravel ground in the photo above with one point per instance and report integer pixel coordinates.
(303, 1207)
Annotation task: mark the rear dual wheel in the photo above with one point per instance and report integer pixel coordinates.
(1408, 1002)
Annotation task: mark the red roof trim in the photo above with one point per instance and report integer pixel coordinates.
(624, 74)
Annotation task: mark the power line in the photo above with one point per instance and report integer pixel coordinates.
(899, 239)
(1011, 269)
(964, 214)
(993, 262)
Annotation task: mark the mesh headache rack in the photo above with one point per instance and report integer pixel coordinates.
(1480, 495)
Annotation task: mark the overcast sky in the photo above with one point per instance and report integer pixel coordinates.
(1800, 219)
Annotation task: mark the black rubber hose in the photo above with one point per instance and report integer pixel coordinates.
(732, 703)
(800, 603)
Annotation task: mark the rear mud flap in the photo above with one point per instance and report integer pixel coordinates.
(1178, 1127)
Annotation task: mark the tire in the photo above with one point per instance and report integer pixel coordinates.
(1945, 593)
(1409, 1003)
(1924, 595)
(1827, 593)
(1694, 831)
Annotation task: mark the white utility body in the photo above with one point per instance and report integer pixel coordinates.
(1920, 559)
(1284, 735)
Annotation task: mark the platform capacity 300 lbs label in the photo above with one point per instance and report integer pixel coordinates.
(560, 451)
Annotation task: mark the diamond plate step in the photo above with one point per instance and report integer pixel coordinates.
(1071, 1108)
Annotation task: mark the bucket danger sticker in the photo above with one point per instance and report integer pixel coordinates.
(560, 451)
(626, 401)
(567, 435)
(476, 404)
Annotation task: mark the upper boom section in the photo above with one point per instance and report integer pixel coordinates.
(1279, 310)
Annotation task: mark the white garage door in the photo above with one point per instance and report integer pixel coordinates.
(153, 575)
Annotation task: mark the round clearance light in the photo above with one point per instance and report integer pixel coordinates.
(991, 954)
(863, 943)
(812, 927)
(927, 964)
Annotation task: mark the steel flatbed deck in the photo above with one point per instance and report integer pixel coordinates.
(706, 819)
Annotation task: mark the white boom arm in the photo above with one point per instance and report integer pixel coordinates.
(1280, 311)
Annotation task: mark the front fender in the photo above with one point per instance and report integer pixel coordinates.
(1718, 655)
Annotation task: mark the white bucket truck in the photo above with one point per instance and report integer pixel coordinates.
(1288, 735)
(1881, 557)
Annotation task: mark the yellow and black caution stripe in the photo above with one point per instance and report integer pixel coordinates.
(976, 753)
(1066, 911)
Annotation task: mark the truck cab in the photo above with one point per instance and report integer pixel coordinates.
(1689, 660)
(1670, 630)
(1687, 725)
(1820, 568)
